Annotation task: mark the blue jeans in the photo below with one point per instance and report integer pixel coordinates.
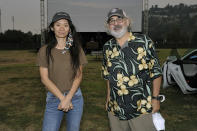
(53, 116)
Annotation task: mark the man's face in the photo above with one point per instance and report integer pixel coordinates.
(117, 26)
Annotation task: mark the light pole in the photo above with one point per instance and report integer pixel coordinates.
(145, 17)
(13, 21)
(0, 22)
(42, 18)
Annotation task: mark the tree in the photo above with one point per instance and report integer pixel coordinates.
(194, 40)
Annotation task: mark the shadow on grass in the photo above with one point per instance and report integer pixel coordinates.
(179, 110)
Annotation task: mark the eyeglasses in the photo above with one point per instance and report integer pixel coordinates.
(118, 20)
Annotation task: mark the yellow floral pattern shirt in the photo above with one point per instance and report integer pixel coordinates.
(130, 70)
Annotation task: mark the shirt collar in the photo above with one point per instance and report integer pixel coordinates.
(126, 44)
(131, 37)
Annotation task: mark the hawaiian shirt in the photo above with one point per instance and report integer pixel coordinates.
(130, 70)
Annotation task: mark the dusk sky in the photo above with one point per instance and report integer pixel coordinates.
(90, 15)
(27, 12)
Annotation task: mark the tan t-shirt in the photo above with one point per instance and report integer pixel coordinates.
(60, 70)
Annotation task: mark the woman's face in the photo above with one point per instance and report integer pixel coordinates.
(61, 28)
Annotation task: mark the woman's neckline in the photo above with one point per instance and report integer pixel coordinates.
(58, 49)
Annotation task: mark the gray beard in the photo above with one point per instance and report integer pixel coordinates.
(118, 34)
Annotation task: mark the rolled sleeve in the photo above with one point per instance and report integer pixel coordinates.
(83, 59)
(154, 64)
(41, 57)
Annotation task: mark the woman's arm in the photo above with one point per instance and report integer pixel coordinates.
(66, 102)
(49, 84)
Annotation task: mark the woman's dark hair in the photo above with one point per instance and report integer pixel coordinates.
(74, 49)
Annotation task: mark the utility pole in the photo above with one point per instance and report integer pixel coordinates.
(145, 17)
(13, 21)
(42, 18)
(0, 22)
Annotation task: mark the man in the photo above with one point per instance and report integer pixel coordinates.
(131, 68)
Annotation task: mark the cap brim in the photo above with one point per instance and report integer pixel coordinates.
(114, 15)
(59, 18)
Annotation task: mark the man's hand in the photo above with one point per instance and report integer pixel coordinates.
(106, 103)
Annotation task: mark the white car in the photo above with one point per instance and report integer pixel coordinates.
(181, 72)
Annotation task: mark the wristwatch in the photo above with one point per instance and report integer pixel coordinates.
(156, 98)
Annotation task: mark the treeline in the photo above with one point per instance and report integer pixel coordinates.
(16, 39)
(169, 27)
(174, 26)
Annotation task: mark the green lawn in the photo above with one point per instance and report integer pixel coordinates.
(22, 96)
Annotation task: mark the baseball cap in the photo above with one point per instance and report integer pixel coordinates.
(116, 12)
(60, 15)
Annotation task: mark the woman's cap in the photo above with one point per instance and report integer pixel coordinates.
(60, 15)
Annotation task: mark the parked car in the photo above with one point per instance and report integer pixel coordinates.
(182, 72)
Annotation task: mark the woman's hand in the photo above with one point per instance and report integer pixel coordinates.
(65, 104)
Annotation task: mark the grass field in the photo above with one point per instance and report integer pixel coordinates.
(22, 96)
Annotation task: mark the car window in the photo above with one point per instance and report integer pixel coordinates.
(192, 56)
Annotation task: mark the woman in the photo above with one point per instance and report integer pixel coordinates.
(60, 64)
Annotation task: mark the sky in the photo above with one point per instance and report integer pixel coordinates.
(27, 12)
(90, 15)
